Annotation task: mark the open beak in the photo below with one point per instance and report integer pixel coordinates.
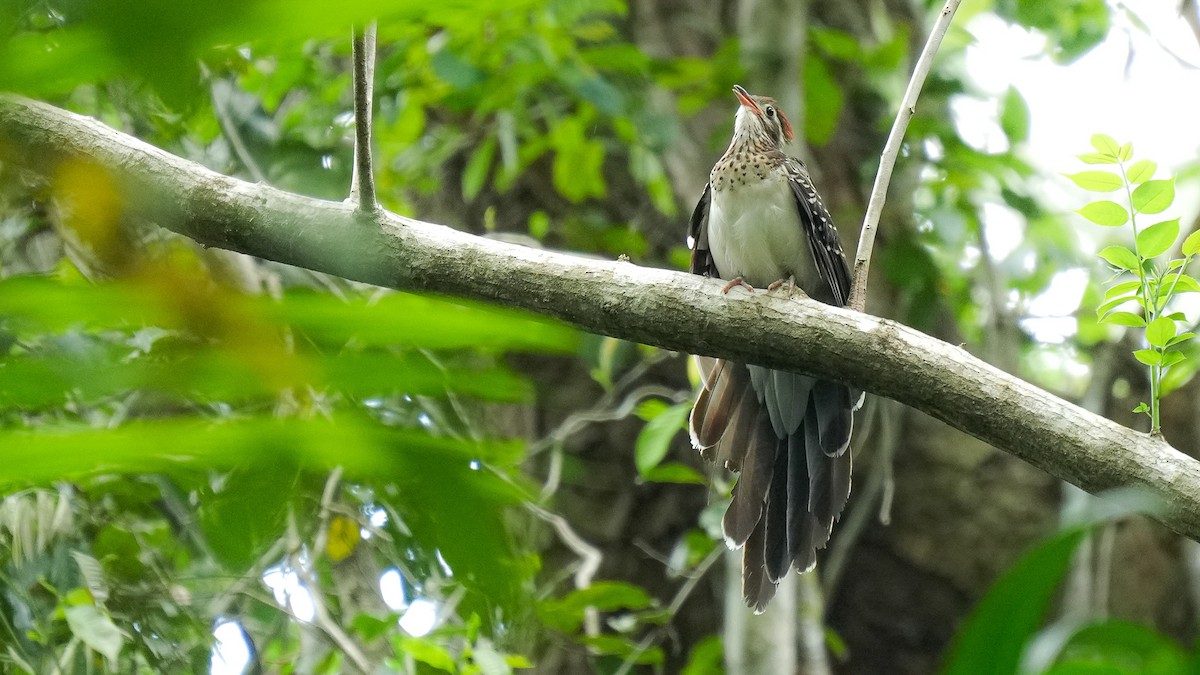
(743, 97)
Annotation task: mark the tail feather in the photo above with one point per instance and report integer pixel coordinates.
(777, 556)
(756, 587)
(801, 525)
(789, 440)
(749, 495)
(835, 415)
(737, 441)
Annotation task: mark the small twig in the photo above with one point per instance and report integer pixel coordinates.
(589, 559)
(362, 183)
(321, 616)
(221, 602)
(681, 596)
(322, 535)
(891, 150)
(229, 127)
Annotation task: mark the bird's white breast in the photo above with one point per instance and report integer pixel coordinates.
(754, 232)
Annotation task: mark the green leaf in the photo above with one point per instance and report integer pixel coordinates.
(1185, 283)
(1014, 116)
(674, 472)
(1160, 331)
(566, 614)
(1125, 152)
(1176, 377)
(1124, 319)
(93, 574)
(539, 225)
(1141, 171)
(478, 166)
(1121, 258)
(1115, 303)
(1097, 158)
(1099, 647)
(96, 629)
(1106, 213)
(993, 637)
(1171, 358)
(428, 652)
(1182, 337)
(1154, 196)
(1121, 289)
(1141, 408)
(1096, 181)
(655, 438)
(1157, 239)
(707, 657)
(1191, 245)
(1150, 357)
(1105, 145)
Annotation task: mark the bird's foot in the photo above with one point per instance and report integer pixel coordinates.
(737, 281)
(789, 284)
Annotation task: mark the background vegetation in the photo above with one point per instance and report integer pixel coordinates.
(196, 441)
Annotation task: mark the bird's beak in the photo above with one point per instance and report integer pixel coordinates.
(743, 97)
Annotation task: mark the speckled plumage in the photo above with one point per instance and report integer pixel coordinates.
(760, 220)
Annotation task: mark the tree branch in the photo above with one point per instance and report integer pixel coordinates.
(891, 150)
(362, 181)
(672, 310)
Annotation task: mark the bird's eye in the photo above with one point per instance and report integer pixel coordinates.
(770, 111)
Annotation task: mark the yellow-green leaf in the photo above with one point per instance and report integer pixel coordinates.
(1097, 181)
(1141, 171)
(1157, 239)
(1014, 116)
(1160, 331)
(1124, 319)
(1148, 356)
(1106, 213)
(1154, 196)
(1097, 158)
(1121, 289)
(1191, 245)
(1120, 257)
(1105, 144)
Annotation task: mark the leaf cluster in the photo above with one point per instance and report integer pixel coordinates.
(1144, 280)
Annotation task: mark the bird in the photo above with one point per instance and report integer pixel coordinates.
(761, 223)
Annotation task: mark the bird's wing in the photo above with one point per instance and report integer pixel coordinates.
(702, 260)
(822, 236)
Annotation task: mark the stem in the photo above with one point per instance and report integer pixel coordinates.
(891, 150)
(1150, 305)
(362, 182)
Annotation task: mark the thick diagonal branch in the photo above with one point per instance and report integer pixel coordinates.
(672, 310)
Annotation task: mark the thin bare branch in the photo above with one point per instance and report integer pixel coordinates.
(362, 184)
(891, 150)
(321, 615)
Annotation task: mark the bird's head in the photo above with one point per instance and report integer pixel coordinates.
(760, 121)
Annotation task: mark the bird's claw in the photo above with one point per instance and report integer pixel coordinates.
(790, 284)
(737, 281)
